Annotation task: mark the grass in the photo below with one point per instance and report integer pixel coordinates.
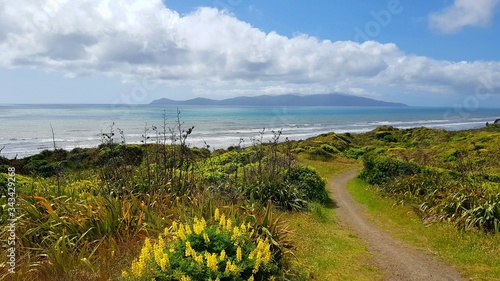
(474, 253)
(328, 251)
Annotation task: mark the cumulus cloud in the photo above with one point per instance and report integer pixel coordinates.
(211, 51)
(464, 13)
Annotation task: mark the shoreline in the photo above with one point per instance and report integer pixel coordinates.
(201, 143)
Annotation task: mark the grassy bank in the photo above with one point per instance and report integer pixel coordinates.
(474, 253)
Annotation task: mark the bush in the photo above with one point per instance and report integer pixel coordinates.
(220, 251)
(309, 181)
(381, 169)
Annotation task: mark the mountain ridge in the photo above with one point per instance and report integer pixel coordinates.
(333, 99)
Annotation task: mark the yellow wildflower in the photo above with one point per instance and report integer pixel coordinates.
(187, 227)
(139, 265)
(158, 253)
(181, 233)
(216, 215)
(236, 233)
(238, 254)
(231, 267)
(251, 278)
(199, 226)
(189, 250)
(222, 220)
(206, 238)
(222, 255)
(243, 228)
(211, 261)
(164, 262)
(198, 258)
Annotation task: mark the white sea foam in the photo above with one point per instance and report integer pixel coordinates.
(26, 130)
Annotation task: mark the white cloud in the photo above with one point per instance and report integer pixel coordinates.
(464, 13)
(212, 51)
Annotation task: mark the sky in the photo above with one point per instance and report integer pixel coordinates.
(422, 53)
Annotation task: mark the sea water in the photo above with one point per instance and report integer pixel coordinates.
(28, 129)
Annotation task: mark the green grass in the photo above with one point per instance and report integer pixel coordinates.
(475, 254)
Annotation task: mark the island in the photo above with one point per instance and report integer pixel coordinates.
(333, 99)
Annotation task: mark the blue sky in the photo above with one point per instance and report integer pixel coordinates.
(437, 53)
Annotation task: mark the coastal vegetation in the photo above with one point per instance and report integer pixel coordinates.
(130, 211)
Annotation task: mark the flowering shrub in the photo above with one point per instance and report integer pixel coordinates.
(221, 251)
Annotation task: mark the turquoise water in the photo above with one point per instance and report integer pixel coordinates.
(26, 129)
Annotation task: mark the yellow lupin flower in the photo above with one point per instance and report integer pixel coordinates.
(222, 255)
(251, 278)
(189, 250)
(216, 215)
(147, 247)
(175, 226)
(211, 261)
(158, 250)
(139, 265)
(238, 254)
(187, 227)
(181, 233)
(198, 258)
(199, 226)
(229, 224)
(222, 220)
(236, 233)
(206, 238)
(164, 262)
(231, 267)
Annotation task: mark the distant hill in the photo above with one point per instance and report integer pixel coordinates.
(285, 100)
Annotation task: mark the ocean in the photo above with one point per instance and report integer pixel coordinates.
(27, 129)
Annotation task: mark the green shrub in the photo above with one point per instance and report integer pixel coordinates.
(219, 251)
(355, 153)
(382, 169)
(309, 181)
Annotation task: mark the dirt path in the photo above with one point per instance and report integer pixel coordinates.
(396, 260)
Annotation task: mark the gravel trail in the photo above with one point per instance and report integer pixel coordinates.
(396, 260)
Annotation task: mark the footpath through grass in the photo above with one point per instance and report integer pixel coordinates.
(474, 253)
(329, 251)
